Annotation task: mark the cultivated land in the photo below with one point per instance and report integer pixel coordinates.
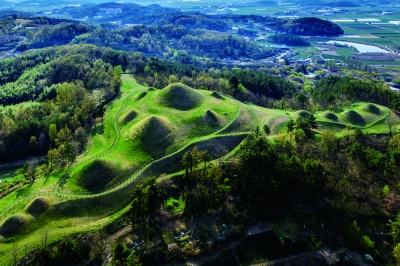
(146, 133)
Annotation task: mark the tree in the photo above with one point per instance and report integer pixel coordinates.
(267, 129)
(302, 100)
(52, 157)
(205, 156)
(396, 253)
(132, 260)
(64, 136)
(234, 82)
(98, 247)
(152, 195)
(391, 121)
(33, 142)
(30, 171)
(118, 257)
(290, 126)
(138, 206)
(53, 133)
(328, 141)
(172, 79)
(187, 161)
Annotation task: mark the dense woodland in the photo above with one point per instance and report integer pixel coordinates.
(288, 39)
(351, 184)
(309, 27)
(59, 90)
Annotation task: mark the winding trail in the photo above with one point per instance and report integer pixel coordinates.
(82, 195)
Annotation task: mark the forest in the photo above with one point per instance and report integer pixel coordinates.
(288, 39)
(309, 26)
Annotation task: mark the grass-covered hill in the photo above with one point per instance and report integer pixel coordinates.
(147, 132)
(309, 26)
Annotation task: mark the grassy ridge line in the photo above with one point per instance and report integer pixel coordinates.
(232, 120)
(368, 125)
(115, 141)
(123, 184)
(137, 174)
(69, 170)
(81, 195)
(198, 139)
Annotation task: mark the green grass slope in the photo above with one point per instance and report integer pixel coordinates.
(180, 96)
(13, 224)
(38, 206)
(154, 134)
(97, 174)
(128, 117)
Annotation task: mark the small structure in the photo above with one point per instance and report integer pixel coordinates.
(136, 244)
(182, 234)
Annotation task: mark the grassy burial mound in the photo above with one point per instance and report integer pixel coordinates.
(302, 113)
(13, 225)
(180, 96)
(331, 116)
(97, 174)
(128, 117)
(141, 95)
(371, 108)
(278, 124)
(354, 118)
(217, 95)
(212, 119)
(37, 206)
(154, 133)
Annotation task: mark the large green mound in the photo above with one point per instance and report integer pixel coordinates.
(180, 96)
(12, 225)
(331, 116)
(370, 108)
(277, 124)
(216, 95)
(37, 206)
(212, 119)
(354, 117)
(303, 113)
(141, 95)
(154, 132)
(97, 174)
(128, 117)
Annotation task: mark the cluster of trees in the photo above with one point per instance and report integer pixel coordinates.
(335, 91)
(308, 27)
(70, 91)
(351, 185)
(195, 21)
(288, 39)
(57, 35)
(247, 32)
(35, 74)
(162, 40)
(92, 248)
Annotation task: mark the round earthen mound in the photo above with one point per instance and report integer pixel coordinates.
(128, 117)
(12, 225)
(180, 96)
(37, 206)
